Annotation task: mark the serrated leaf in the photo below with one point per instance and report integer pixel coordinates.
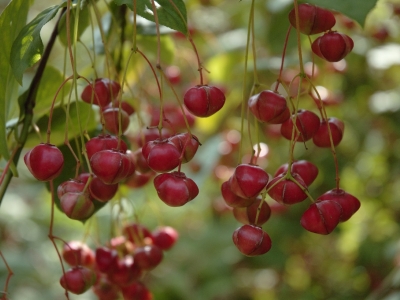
(354, 9)
(83, 23)
(166, 12)
(15, 10)
(27, 48)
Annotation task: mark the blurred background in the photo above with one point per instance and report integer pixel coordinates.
(359, 259)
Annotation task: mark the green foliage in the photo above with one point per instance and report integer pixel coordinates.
(166, 12)
(83, 23)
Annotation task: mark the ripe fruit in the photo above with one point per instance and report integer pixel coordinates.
(332, 46)
(165, 237)
(112, 166)
(104, 142)
(136, 291)
(105, 91)
(77, 253)
(287, 191)
(44, 161)
(105, 290)
(321, 137)
(175, 189)
(137, 233)
(161, 155)
(321, 217)
(251, 240)
(78, 280)
(111, 120)
(348, 202)
(248, 180)
(148, 257)
(187, 145)
(125, 106)
(173, 117)
(268, 106)
(105, 258)
(307, 123)
(307, 170)
(248, 215)
(233, 200)
(77, 205)
(100, 191)
(312, 19)
(124, 271)
(203, 100)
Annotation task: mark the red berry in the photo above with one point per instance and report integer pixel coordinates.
(173, 74)
(165, 237)
(77, 253)
(70, 186)
(111, 120)
(233, 200)
(175, 189)
(77, 205)
(248, 180)
(307, 170)
(307, 123)
(161, 155)
(321, 217)
(173, 117)
(332, 46)
(136, 233)
(251, 240)
(321, 137)
(148, 257)
(186, 143)
(105, 290)
(312, 19)
(248, 215)
(348, 202)
(100, 191)
(136, 291)
(124, 271)
(138, 179)
(78, 280)
(45, 161)
(203, 100)
(105, 91)
(268, 106)
(105, 259)
(104, 142)
(125, 106)
(287, 191)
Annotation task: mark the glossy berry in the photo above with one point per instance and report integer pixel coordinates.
(286, 191)
(137, 233)
(112, 166)
(248, 180)
(148, 257)
(124, 271)
(78, 280)
(187, 145)
(174, 118)
(203, 100)
(77, 253)
(268, 106)
(321, 217)
(136, 291)
(105, 91)
(70, 186)
(332, 46)
(104, 142)
(105, 259)
(45, 161)
(111, 120)
(307, 124)
(306, 170)
(138, 179)
(175, 189)
(348, 202)
(251, 240)
(233, 200)
(165, 237)
(161, 155)
(105, 290)
(98, 189)
(321, 137)
(77, 205)
(248, 215)
(312, 19)
(125, 106)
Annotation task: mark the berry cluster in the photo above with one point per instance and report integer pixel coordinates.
(247, 188)
(117, 268)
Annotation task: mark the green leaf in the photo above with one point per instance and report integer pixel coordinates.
(354, 9)
(27, 48)
(166, 12)
(83, 23)
(16, 10)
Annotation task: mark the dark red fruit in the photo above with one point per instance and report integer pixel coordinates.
(307, 124)
(174, 118)
(287, 191)
(78, 280)
(233, 200)
(187, 145)
(248, 180)
(248, 215)
(137, 233)
(136, 291)
(138, 179)
(203, 100)
(105, 259)
(77, 253)
(150, 134)
(348, 202)
(165, 237)
(70, 186)
(268, 106)
(77, 205)
(148, 257)
(105, 290)
(321, 137)
(321, 217)
(112, 166)
(105, 91)
(111, 120)
(104, 142)
(161, 155)
(251, 240)
(312, 19)
(175, 189)
(307, 170)
(45, 161)
(124, 271)
(173, 74)
(100, 191)
(332, 46)
(125, 106)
